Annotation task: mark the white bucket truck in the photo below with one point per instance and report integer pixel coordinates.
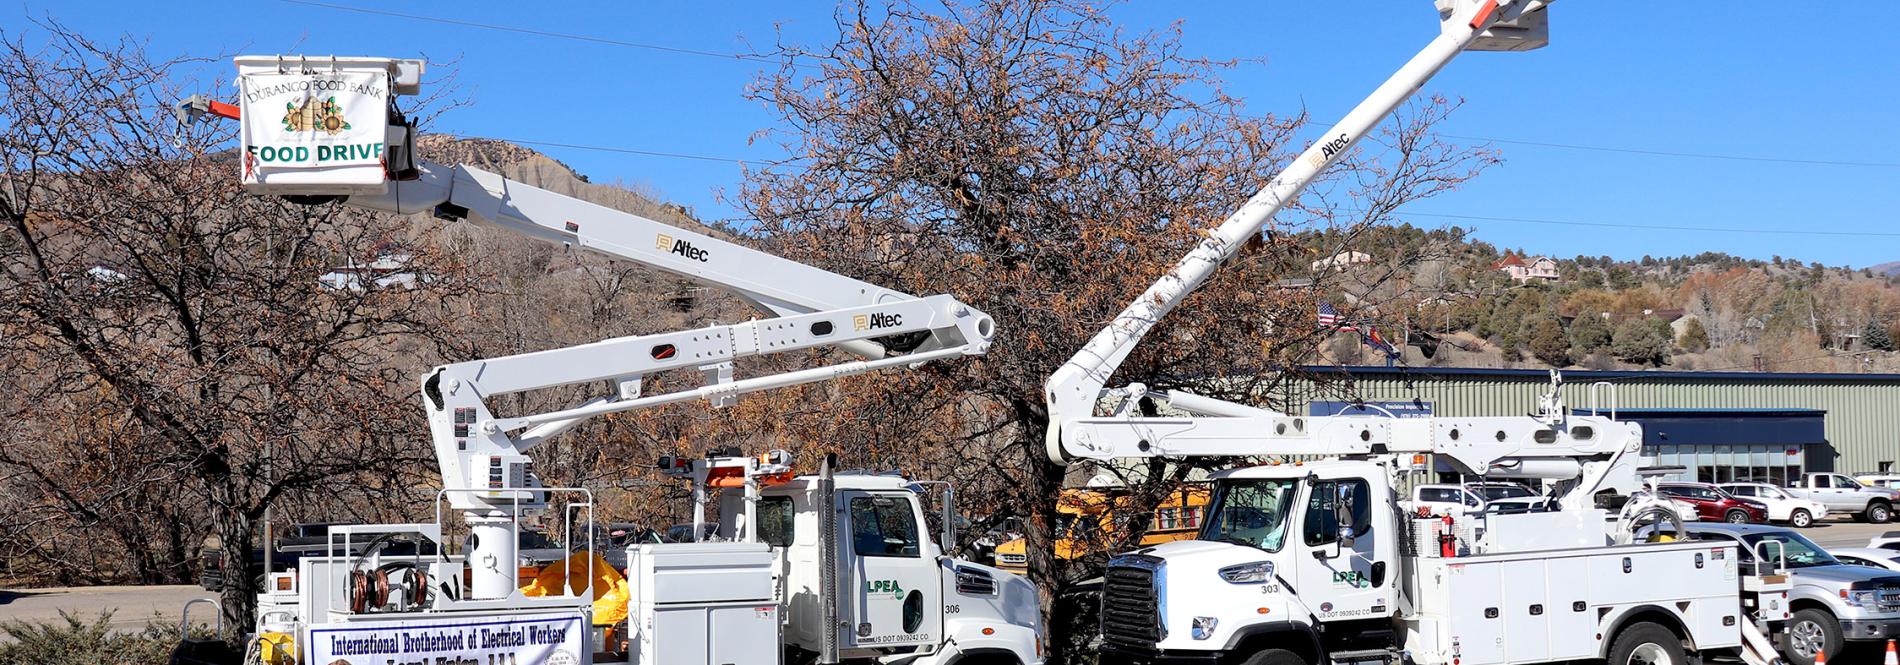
(322, 129)
(1304, 564)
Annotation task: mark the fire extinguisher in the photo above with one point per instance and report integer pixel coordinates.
(1447, 543)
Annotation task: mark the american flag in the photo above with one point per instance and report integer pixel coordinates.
(1330, 318)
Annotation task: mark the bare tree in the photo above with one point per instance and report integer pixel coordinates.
(189, 370)
(1045, 166)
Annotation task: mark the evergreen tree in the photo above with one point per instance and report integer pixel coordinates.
(1589, 334)
(1637, 341)
(1548, 343)
(1875, 337)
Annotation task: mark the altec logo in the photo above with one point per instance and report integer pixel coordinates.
(666, 243)
(874, 321)
(1327, 150)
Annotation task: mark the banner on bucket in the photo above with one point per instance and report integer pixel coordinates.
(325, 125)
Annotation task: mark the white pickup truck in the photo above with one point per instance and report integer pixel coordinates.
(1841, 493)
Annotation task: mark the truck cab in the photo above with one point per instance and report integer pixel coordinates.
(901, 598)
(1321, 528)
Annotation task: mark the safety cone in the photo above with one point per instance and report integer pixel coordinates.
(1820, 655)
(1893, 657)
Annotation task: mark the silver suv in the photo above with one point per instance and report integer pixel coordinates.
(1834, 604)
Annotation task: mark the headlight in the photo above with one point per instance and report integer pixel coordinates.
(1860, 597)
(1257, 572)
(1204, 627)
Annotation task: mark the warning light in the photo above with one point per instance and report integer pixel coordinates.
(989, 631)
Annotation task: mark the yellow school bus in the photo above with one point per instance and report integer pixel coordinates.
(1084, 517)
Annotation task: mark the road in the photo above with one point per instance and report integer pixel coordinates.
(131, 606)
(1845, 532)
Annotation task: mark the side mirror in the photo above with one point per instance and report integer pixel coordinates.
(949, 543)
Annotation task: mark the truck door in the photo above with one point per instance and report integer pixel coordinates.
(895, 592)
(1337, 580)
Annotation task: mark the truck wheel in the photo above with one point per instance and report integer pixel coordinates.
(1801, 519)
(1274, 657)
(1645, 643)
(1811, 631)
(1736, 517)
(1879, 513)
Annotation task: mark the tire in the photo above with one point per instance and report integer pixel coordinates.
(1800, 519)
(1736, 517)
(1805, 630)
(1879, 513)
(1274, 657)
(1645, 643)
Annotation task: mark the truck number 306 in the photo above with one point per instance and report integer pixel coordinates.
(951, 609)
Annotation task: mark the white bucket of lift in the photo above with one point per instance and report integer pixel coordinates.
(319, 125)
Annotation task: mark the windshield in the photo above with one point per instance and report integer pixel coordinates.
(1495, 492)
(1250, 512)
(1800, 552)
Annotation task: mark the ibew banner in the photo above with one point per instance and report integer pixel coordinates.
(549, 639)
(320, 119)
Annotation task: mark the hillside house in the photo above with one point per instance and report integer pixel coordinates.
(1536, 268)
(1342, 260)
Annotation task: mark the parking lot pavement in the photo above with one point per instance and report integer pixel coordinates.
(1845, 532)
(131, 606)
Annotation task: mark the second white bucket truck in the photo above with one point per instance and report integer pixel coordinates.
(326, 128)
(1304, 564)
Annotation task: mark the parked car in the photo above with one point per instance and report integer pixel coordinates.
(296, 542)
(1475, 497)
(1872, 557)
(1782, 506)
(1886, 541)
(1887, 480)
(1846, 495)
(1685, 511)
(1712, 504)
(1835, 604)
(683, 533)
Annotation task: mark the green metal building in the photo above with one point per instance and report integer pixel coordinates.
(1862, 411)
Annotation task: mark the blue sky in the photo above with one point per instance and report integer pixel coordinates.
(1745, 79)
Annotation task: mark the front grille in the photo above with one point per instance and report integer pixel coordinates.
(1013, 559)
(973, 582)
(1131, 607)
(1888, 598)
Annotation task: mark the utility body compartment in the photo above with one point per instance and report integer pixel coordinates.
(702, 603)
(1557, 605)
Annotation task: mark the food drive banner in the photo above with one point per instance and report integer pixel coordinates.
(314, 121)
(550, 639)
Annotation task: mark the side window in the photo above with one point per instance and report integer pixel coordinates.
(883, 526)
(1322, 519)
(1741, 490)
(775, 520)
(1473, 500)
(1823, 482)
(1437, 495)
(1845, 482)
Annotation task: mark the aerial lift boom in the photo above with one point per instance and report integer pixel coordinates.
(339, 145)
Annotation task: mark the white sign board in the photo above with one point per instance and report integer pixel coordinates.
(319, 131)
(543, 639)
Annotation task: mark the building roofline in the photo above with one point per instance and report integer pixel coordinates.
(1585, 375)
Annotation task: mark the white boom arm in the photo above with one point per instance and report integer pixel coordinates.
(1074, 389)
(813, 308)
(325, 128)
(1591, 454)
